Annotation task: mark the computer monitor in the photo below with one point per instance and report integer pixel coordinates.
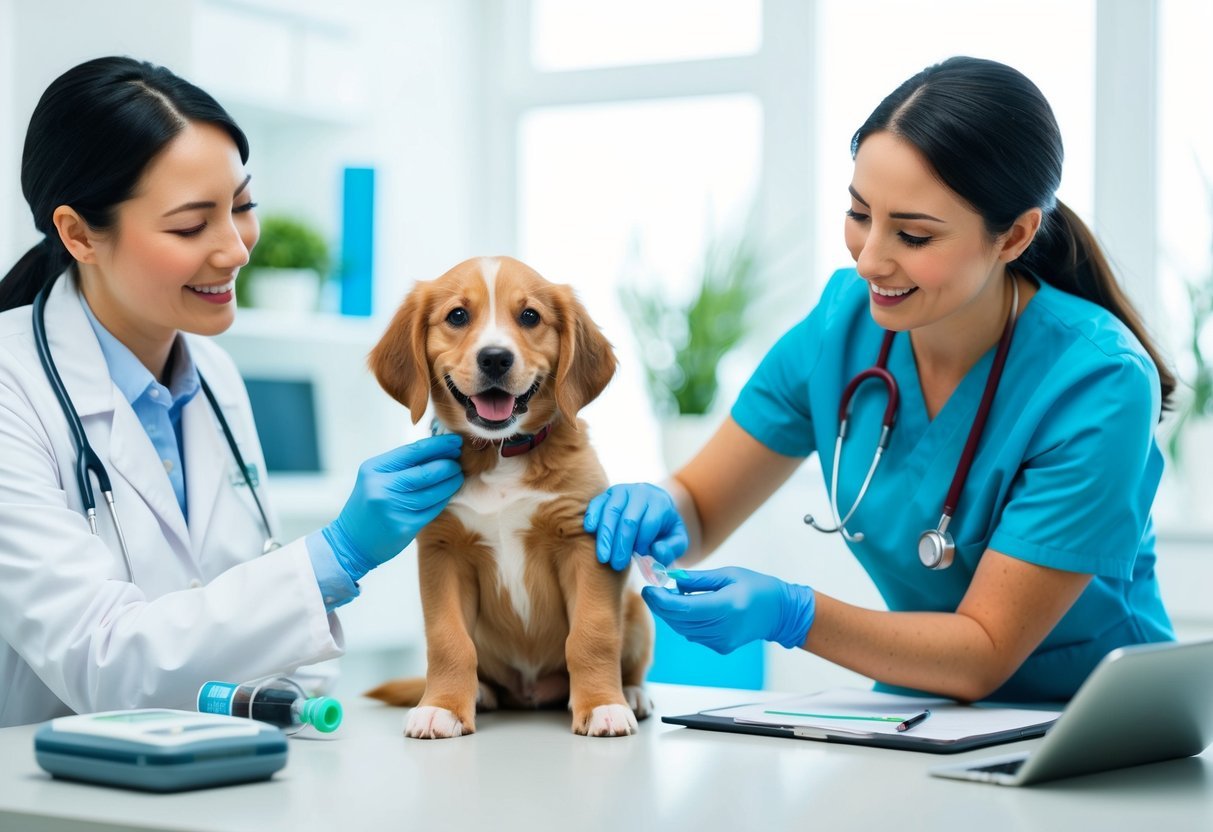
(284, 411)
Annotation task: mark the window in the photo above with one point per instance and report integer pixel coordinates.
(1184, 255)
(631, 191)
(624, 175)
(580, 34)
(1185, 169)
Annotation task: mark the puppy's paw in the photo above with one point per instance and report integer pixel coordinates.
(607, 721)
(638, 700)
(426, 722)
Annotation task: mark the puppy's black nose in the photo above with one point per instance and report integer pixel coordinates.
(495, 362)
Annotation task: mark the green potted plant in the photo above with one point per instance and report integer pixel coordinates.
(285, 268)
(682, 341)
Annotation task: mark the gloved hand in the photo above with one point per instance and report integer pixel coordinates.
(736, 606)
(636, 518)
(395, 495)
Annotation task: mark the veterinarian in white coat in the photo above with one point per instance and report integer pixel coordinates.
(137, 179)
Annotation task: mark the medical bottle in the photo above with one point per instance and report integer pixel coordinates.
(275, 699)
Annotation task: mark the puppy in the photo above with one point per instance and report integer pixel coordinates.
(518, 611)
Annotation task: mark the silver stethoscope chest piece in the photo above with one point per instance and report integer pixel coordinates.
(936, 549)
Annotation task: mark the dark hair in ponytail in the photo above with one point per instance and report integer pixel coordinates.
(990, 136)
(93, 133)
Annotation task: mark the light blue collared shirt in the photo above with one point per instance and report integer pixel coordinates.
(336, 585)
(157, 407)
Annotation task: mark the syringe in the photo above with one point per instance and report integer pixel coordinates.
(652, 570)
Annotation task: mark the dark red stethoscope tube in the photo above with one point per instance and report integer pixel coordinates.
(881, 373)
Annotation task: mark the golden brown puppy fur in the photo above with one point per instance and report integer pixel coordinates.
(518, 611)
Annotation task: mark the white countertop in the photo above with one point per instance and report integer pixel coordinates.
(527, 771)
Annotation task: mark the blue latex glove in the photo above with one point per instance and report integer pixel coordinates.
(395, 495)
(736, 606)
(636, 518)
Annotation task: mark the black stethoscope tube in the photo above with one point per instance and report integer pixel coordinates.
(244, 469)
(87, 460)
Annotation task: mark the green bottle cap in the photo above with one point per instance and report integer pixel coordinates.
(323, 713)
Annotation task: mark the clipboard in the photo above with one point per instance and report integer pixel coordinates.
(866, 717)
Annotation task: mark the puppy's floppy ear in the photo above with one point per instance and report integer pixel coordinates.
(399, 361)
(586, 361)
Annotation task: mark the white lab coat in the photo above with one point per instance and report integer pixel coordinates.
(76, 635)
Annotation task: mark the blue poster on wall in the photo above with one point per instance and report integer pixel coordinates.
(357, 241)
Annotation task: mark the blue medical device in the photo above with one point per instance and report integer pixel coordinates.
(159, 750)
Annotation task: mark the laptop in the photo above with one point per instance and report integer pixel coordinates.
(1141, 704)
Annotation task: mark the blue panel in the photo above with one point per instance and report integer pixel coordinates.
(357, 241)
(682, 662)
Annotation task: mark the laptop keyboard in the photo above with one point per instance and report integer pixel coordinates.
(1002, 768)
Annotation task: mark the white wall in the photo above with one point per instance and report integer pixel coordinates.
(424, 83)
(10, 181)
(42, 48)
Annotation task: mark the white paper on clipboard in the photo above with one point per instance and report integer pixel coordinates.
(949, 721)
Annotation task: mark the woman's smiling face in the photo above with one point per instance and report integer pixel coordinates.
(171, 260)
(924, 252)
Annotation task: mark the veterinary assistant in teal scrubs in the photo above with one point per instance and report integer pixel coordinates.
(959, 243)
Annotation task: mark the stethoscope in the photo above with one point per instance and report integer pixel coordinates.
(87, 460)
(936, 549)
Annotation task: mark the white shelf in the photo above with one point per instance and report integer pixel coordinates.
(314, 326)
(276, 114)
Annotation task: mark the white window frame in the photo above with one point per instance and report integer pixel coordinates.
(779, 75)
(1126, 131)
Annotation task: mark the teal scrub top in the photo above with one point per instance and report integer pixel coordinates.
(1064, 476)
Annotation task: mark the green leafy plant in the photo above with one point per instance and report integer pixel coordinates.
(1198, 404)
(285, 243)
(682, 342)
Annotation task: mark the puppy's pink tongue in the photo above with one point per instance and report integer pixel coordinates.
(494, 407)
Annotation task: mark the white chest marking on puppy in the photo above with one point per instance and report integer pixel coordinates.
(496, 507)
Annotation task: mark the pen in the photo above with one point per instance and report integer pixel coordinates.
(914, 720)
(897, 719)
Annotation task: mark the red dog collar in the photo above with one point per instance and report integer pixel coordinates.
(520, 443)
(516, 445)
